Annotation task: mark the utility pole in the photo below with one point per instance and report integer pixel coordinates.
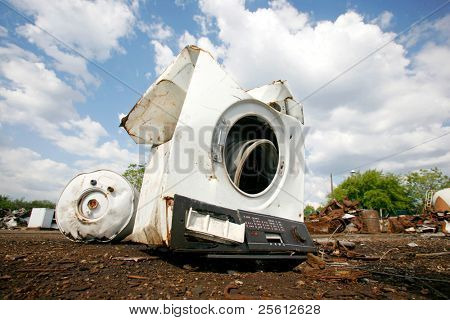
(331, 182)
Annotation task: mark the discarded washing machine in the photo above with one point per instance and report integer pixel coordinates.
(226, 170)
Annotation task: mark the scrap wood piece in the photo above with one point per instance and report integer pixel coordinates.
(314, 261)
(350, 254)
(434, 254)
(130, 276)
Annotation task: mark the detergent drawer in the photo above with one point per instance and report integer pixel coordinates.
(199, 227)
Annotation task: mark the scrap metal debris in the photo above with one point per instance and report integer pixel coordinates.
(347, 216)
(318, 269)
(337, 217)
(12, 219)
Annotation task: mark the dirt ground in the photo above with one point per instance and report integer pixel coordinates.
(45, 265)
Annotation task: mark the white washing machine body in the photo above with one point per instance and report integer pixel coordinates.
(226, 167)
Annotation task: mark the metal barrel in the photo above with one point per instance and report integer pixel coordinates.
(371, 221)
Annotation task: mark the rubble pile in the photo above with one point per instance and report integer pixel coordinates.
(347, 216)
(336, 217)
(11, 219)
(428, 222)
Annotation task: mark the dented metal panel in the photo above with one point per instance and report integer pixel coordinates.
(278, 96)
(154, 117)
(41, 218)
(152, 223)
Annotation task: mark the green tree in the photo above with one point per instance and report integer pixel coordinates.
(418, 182)
(374, 190)
(14, 204)
(135, 174)
(309, 209)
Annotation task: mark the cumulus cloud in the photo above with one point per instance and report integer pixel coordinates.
(205, 43)
(34, 96)
(41, 92)
(391, 101)
(34, 92)
(91, 27)
(3, 32)
(205, 23)
(26, 173)
(384, 20)
(163, 56)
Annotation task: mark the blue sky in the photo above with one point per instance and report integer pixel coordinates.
(59, 114)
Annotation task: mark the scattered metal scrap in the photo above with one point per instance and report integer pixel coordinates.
(347, 216)
(11, 219)
(318, 269)
(338, 217)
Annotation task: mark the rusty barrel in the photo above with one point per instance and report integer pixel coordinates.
(371, 221)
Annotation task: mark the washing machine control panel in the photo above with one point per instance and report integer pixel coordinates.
(262, 223)
(263, 234)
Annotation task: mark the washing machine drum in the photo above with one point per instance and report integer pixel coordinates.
(97, 206)
(257, 158)
(251, 155)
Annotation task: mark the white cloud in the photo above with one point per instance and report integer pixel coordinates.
(26, 173)
(205, 43)
(161, 32)
(389, 102)
(32, 94)
(205, 23)
(157, 31)
(181, 3)
(163, 56)
(186, 39)
(90, 27)
(429, 30)
(3, 32)
(64, 61)
(384, 20)
(35, 97)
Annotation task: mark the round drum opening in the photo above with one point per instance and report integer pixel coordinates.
(92, 205)
(251, 154)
